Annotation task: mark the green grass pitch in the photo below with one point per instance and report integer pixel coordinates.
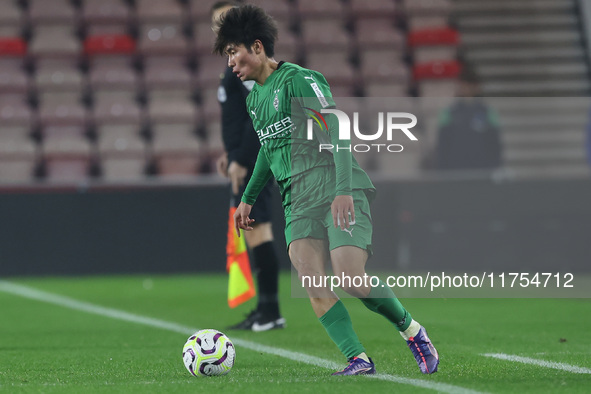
(47, 348)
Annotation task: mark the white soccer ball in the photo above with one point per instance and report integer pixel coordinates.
(209, 353)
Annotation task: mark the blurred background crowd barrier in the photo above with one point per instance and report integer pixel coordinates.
(110, 128)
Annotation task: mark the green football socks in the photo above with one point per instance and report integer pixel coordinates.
(339, 327)
(381, 299)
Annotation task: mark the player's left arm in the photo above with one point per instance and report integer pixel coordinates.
(315, 87)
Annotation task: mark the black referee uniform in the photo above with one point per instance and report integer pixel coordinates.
(240, 139)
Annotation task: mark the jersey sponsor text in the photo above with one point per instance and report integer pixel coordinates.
(275, 129)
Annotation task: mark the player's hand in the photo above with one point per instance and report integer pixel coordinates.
(237, 173)
(341, 207)
(222, 165)
(241, 219)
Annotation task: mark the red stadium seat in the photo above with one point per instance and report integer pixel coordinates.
(437, 70)
(12, 46)
(434, 53)
(109, 44)
(438, 44)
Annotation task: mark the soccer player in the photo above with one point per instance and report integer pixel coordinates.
(325, 195)
(241, 148)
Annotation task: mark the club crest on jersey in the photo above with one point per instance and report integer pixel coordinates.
(276, 100)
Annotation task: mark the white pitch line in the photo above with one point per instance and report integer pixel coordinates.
(539, 363)
(38, 295)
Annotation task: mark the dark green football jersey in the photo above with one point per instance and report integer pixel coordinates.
(279, 116)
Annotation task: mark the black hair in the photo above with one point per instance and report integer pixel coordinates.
(243, 26)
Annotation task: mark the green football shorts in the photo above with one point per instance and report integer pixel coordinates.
(308, 214)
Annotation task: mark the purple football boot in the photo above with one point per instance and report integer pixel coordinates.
(358, 366)
(424, 351)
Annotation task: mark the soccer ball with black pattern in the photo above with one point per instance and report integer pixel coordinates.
(209, 353)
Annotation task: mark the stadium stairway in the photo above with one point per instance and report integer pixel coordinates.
(532, 48)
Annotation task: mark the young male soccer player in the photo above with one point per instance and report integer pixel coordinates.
(241, 148)
(323, 194)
